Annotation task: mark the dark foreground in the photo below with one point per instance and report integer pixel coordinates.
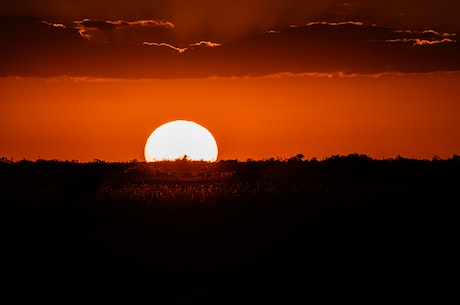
(346, 230)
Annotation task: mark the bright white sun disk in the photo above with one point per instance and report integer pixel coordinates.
(177, 139)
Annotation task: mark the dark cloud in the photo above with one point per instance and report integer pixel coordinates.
(111, 25)
(32, 35)
(227, 20)
(122, 31)
(416, 14)
(97, 25)
(197, 20)
(33, 47)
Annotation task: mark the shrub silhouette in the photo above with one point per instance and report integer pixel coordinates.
(311, 230)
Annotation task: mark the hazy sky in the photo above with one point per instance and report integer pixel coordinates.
(86, 79)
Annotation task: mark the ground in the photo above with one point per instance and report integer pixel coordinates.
(342, 230)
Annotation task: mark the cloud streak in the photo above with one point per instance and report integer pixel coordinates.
(205, 44)
(110, 25)
(421, 42)
(235, 19)
(357, 23)
(56, 25)
(163, 44)
(147, 49)
(106, 30)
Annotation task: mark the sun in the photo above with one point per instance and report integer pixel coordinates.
(176, 139)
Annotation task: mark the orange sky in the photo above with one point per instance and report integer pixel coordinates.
(84, 79)
(254, 117)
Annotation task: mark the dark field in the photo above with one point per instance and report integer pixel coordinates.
(346, 230)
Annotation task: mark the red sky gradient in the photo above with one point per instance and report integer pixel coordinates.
(413, 116)
(268, 79)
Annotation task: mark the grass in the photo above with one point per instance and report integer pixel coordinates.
(348, 229)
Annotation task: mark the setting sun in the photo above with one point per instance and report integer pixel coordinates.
(180, 138)
(170, 151)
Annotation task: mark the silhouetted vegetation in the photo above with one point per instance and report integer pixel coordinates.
(347, 229)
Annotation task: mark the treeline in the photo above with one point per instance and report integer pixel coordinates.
(347, 229)
(211, 184)
(351, 168)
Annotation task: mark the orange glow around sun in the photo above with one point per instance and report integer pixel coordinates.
(178, 139)
(413, 116)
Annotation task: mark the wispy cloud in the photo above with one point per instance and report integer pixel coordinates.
(421, 42)
(205, 44)
(163, 44)
(421, 38)
(415, 37)
(149, 48)
(357, 23)
(90, 28)
(109, 25)
(56, 25)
